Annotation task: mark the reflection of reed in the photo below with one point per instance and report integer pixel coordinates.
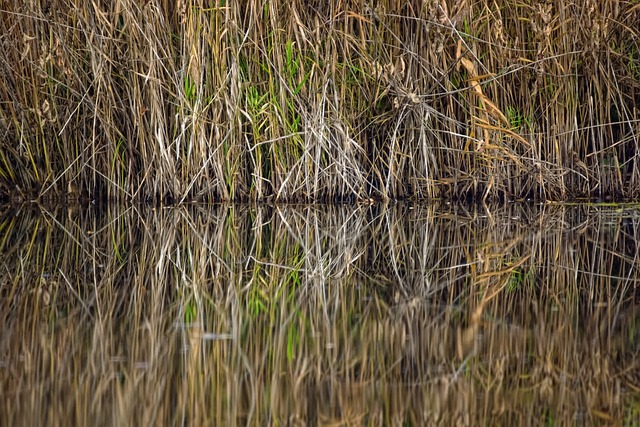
(318, 315)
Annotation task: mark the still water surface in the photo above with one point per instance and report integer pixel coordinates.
(295, 315)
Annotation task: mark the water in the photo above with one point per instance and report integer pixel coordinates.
(299, 315)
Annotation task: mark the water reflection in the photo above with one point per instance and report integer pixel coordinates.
(370, 315)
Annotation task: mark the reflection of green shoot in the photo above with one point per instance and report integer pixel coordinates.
(258, 300)
(632, 411)
(518, 279)
(293, 341)
(294, 278)
(190, 312)
(550, 421)
(515, 281)
(119, 249)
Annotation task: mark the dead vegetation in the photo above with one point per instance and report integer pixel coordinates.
(319, 100)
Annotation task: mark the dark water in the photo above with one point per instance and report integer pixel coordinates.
(359, 315)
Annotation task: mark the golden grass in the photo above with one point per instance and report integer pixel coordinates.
(319, 101)
(319, 316)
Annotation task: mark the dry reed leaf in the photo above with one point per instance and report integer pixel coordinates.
(352, 14)
(493, 110)
(504, 130)
(469, 66)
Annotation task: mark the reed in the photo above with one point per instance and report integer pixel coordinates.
(234, 315)
(319, 101)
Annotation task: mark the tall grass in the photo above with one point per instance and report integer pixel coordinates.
(319, 101)
(284, 316)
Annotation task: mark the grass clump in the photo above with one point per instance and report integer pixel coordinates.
(319, 101)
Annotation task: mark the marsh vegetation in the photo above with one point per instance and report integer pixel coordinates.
(397, 315)
(194, 274)
(169, 101)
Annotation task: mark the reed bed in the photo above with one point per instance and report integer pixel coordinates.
(314, 101)
(320, 316)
